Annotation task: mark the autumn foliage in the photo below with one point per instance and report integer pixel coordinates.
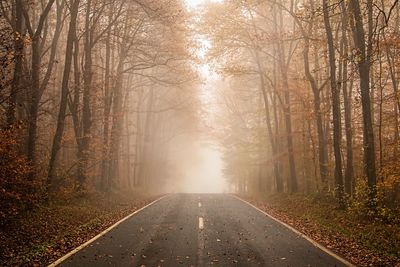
(17, 192)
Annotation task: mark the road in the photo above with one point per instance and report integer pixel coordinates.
(200, 230)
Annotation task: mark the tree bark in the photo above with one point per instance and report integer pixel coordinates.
(348, 175)
(18, 65)
(117, 118)
(336, 113)
(322, 160)
(35, 81)
(64, 91)
(292, 178)
(83, 149)
(363, 62)
(272, 137)
(107, 109)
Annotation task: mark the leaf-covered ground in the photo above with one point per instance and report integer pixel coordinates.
(46, 233)
(362, 242)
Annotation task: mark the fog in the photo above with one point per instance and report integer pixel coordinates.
(196, 3)
(196, 163)
(198, 168)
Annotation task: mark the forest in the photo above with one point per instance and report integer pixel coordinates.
(102, 101)
(73, 74)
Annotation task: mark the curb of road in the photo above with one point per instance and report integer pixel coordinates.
(312, 241)
(75, 250)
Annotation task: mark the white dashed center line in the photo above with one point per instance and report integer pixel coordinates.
(199, 204)
(201, 223)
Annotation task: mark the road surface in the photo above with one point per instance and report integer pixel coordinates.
(200, 230)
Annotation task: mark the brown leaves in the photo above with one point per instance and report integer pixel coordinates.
(365, 243)
(48, 232)
(17, 191)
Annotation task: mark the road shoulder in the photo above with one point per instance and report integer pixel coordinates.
(329, 228)
(48, 232)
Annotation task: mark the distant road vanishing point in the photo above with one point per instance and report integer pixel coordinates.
(200, 230)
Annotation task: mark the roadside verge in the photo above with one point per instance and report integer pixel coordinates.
(69, 254)
(312, 241)
(47, 232)
(361, 241)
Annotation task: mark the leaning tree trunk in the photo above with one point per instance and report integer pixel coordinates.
(64, 91)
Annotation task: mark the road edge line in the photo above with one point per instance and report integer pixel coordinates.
(309, 239)
(75, 250)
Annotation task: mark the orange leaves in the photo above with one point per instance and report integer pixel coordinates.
(17, 192)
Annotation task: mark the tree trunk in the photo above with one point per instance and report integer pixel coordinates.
(322, 160)
(146, 140)
(364, 68)
(292, 178)
(35, 82)
(336, 113)
(348, 175)
(34, 103)
(272, 138)
(83, 149)
(16, 85)
(117, 118)
(107, 109)
(64, 91)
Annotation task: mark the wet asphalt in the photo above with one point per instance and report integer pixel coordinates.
(168, 233)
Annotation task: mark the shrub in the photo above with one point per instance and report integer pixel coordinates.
(17, 191)
(377, 208)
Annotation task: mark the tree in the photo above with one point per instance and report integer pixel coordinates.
(337, 126)
(363, 59)
(64, 90)
(36, 50)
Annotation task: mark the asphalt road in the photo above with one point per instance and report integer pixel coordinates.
(221, 230)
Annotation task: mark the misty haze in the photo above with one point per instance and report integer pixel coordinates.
(199, 133)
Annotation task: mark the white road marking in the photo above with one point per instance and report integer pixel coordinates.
(201, 246)
(312, 241)
(199, 204)
(201, 223)
(66, 256)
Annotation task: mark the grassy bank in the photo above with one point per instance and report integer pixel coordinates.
(47, 232)
(362, 241)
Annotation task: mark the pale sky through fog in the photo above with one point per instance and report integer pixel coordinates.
(205, 174)
(196, 3)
